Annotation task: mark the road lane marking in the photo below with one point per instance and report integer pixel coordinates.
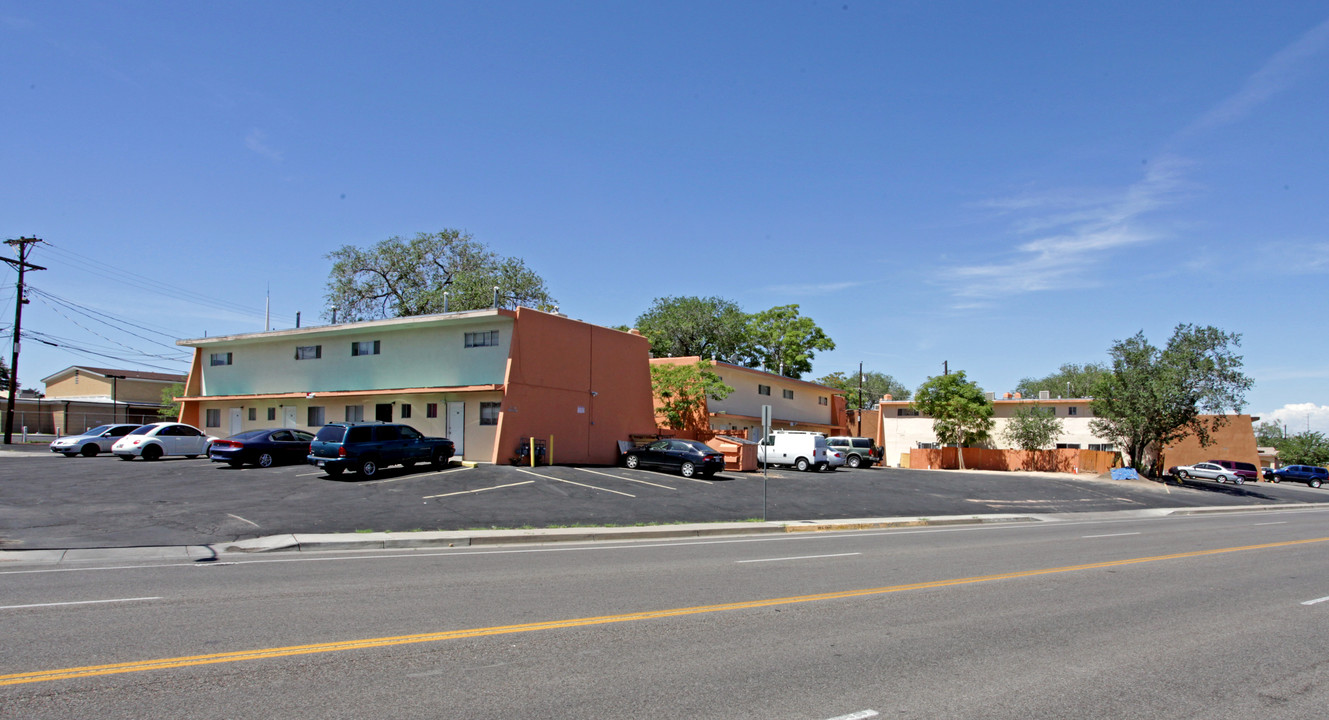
(799, 557)
(571, 482)
(1280, 522)
(619, 477)
(379, 642)
(237, 517)
(1087, 537)
(860, 715)
(1315, 601)
(480, 490)
(77, 602)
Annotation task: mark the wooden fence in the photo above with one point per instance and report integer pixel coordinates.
(1066, 461)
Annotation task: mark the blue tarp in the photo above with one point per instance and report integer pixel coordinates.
(1125, 474)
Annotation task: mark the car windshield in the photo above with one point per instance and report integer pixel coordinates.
(143, 429)
(97, 430)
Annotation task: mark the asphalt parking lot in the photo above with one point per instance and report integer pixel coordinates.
(48, 501)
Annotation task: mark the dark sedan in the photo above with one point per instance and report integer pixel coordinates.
(688, 457)
(263, 448)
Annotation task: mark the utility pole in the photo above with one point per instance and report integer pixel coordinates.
(860, 399)
(20, 300)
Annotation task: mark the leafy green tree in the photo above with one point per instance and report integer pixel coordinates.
(783, 341)
(1154, 397)
(4, 376)
(1306, 448)
(1032, 428)
(682, 391)
(400, 278)
(687, 326)
(168, 409)
(1070, 380)
(1269, 434)
(875, 385)
(961, 414)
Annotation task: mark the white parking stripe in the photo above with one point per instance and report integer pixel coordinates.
(799, 557)
(619, 477)
(592, 487)
(79, 602)
(479, 490)
(860, 715)
(1315, 601)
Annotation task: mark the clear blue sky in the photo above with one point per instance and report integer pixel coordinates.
(1004, 186)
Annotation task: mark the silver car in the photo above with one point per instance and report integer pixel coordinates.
(1206, 471)
(91, 442)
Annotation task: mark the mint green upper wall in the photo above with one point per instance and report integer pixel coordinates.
(410, 355)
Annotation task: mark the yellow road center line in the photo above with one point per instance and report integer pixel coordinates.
(291, 650)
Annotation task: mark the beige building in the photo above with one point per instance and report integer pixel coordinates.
(80, 397)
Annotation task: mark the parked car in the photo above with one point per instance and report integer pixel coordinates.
(1206, 471)
(858, 451)
(155, 440)
(1312, 475)
(834, 458)
(688, 457)
(1246, 470)
(800, 449)
(263, 448)
(367, 447)
(92, 441)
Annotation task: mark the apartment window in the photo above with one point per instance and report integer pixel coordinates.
(383, 412)
(788, 394)
(309, 352)
(929, 446)
(368, 347)
(488, 338)
(405, 410)
(763, 389)
(315, 416)
(431, 410)
(213, 417)
(1104, 447)
(355, 413)
(906, 412)
(272, 414)
(1072, 411)
(489, 413)
(1068, 446)
(253, 414)
(823, 401)
(220, 359)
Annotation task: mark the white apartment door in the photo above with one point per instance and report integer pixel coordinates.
(237, 421)
(288, 416)
(456, 429)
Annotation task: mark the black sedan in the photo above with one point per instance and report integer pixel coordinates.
(689, 457)
(263, 448)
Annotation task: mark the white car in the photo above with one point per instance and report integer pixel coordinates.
(93, 441)
(834, 458)
(164, 438)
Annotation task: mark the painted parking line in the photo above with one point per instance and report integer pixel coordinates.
(799, 557)
(479, 490)
(77, 602)
(619, 477)
(570, 482)
(413, 476)
(860, 715)
(1089, 537)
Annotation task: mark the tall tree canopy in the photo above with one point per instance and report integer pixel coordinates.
(682, 391)
(4, 376)
(1154, 397)
(783, 341)
(961, 414)
(875, 385)
(1032, 428)
(399, 278)
(1070, 380)
(686, 326)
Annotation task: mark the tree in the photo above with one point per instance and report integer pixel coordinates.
(1306, 448)
(399, 278)
(687, 326)
(783, 341)
(4, 376)
(1032, 428)
(875, 385)
(1070, 380)
(1269, 434)
(168, 409)
(682, 391)
(1153, 397)
(961, 414)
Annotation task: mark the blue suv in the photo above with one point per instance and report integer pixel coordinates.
(366, 447)
(1309, 474)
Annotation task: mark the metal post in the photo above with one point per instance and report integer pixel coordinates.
(19, 300)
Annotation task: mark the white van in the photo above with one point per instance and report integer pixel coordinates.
(802, 450)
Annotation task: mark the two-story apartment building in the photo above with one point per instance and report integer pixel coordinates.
(795, 404)
(486, 379)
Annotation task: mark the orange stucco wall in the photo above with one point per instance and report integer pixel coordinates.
(1234, 441)
(189, 411)
(586, 386)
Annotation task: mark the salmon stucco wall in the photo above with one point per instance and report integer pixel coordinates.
(189, 411)
(1234, 441)
(585, 385)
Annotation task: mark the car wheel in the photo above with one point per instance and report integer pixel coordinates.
(90, 450)
(688, 469)
(368, 468)
(333, 471)
(1274, 479)
(801, 464)
(1183, 475)
(440, 458)
(1238, 480)
(1221, 479)
(853, 461)
(823, 467)
(1314, 483)
(632, 461)
(265, 460)
(152, 452)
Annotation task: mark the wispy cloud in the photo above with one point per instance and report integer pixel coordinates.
(813, 288)
(257, 141)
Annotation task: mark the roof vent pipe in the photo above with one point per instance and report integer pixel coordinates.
(495, 297)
